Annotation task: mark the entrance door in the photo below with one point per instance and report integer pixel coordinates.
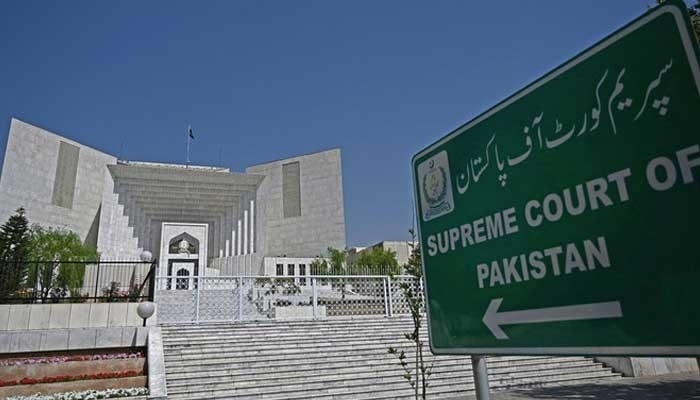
(182, 272)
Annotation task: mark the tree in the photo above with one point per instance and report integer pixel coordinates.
(333, 263)
(377, 260)
(14, 249)
(412, 291)
(337, 261)
(319, 266)
(694, 12)
(55, 248)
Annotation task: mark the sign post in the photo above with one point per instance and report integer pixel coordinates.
(566, 219)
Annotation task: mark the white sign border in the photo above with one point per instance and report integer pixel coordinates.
(588, 350)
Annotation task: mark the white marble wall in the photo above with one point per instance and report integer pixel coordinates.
(322, 221)
(28, 174)
(117, 240)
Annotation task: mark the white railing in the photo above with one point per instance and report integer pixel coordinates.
(195, 299)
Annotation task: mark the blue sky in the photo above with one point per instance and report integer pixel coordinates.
(262, 80)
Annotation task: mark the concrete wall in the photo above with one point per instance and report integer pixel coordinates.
(27, 317)
(29, 174)
(322, 221)
(60, 327)
(650, 366)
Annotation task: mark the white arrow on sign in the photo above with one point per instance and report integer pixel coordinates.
(494, 319)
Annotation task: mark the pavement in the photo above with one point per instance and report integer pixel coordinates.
(663, 387)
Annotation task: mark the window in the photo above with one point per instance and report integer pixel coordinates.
(302, 272)
(291, 190)
(66, 173)
(182, 283)
(280, 269)
(290, 269)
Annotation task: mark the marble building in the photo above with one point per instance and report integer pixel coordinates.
(199, 219)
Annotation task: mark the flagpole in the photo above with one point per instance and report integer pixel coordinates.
(189, 128)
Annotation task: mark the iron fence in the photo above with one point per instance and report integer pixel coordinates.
(195, 299)
(357, 270)
(76, 281)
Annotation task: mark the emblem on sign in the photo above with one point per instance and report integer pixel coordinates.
(435, 186)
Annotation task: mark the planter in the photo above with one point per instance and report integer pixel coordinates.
(17, 372)
(73, 386)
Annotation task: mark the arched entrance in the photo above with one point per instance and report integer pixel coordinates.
(183, 254)
(182, 273)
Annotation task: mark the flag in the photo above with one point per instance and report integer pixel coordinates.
(190, 132)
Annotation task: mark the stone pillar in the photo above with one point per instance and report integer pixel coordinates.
(245, 232)
(233, 243)
(252, 226)
(238, 244)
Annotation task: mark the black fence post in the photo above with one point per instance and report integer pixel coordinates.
(36, 282)
(152, 280)
(97, 280)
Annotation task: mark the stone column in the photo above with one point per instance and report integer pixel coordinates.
(245, 231)
(238, 244)
(252, 226)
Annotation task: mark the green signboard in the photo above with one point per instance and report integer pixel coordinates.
(566, 219)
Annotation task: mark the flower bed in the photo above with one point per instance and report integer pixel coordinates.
(73, 386)
(63, 359)
(17, 372)
(68, 378)
(86, 395)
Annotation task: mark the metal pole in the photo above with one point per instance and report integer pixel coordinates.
(240, 298)
(196, 313)
(481, 377)
(391, 305)
(152, 281)
(188, 145)
(314, 297)
(386, 298)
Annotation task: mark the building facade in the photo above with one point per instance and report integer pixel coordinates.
(401, 248)
(197, 220)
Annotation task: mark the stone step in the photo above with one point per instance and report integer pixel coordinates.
(289, 324)
(260, 336)
(367, 359)
(320, 358)
(311, 374)
(301, 354)
(308, 348)
(387, 374)
(353, 387)
(285, 340)
(260, 347)
(261, 366)
(302, 330)
(436, 390)
(335, 358)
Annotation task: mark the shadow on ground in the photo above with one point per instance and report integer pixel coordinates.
(665, 390)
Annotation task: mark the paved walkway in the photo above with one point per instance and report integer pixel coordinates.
(665, 387)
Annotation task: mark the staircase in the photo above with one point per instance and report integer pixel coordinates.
(338, 359)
